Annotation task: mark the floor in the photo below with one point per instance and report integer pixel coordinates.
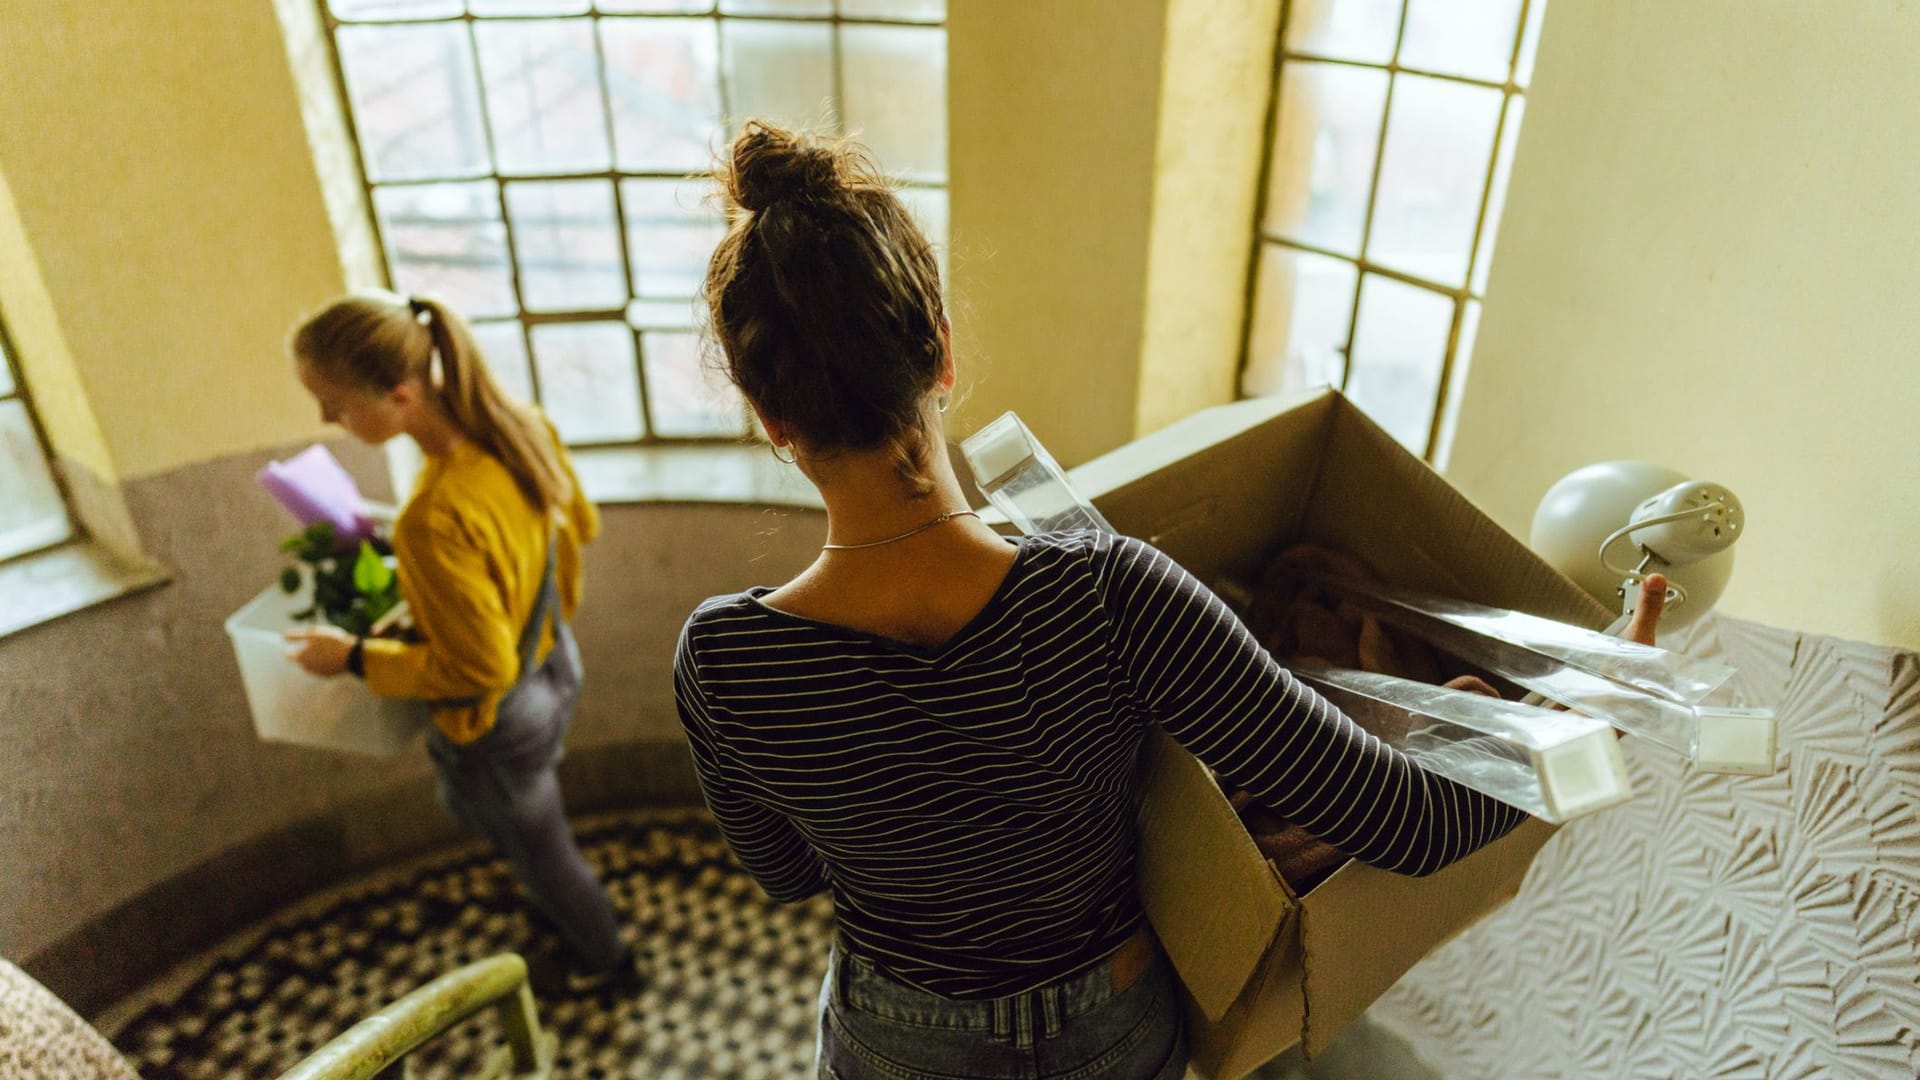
(733, 978)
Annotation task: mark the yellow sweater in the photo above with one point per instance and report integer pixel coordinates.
(472, 550)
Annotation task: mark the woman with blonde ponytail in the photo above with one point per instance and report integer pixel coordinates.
(489, 562)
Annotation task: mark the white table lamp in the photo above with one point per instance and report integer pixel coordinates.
(1608, 525)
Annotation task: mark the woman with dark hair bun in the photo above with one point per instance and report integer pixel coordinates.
(941, 726)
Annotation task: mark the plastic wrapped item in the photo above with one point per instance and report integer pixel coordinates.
(1551, 645)
(1715, 739)
(289, 705)
(1556, 766)
(1024, 482)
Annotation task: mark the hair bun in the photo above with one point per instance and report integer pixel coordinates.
(771, 165)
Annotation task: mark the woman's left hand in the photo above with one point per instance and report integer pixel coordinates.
(322, 650)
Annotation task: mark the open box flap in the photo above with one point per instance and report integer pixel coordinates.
(1391, 509)
(1214, 489)
(1212, 899)
(1364, 927)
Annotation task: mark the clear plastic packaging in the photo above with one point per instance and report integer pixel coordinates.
(1556, 766)
(1715, 739)
(1024, 482)
(1671, 676)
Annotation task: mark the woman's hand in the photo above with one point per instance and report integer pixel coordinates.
(1646, 610)
(322, 650)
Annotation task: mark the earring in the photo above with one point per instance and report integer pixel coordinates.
(943, 403)
(775, 450)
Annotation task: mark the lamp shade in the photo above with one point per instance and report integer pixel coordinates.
(1590, 504)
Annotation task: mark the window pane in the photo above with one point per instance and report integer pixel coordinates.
(504, 344)
(895, 82)
(671, 232)
(929, 11)
(1399, 345)
(1529, 43)
(527, 7)
(1439, 142)
(1497, 196)
(655, 7)
(447, 240)
(416, 101)
(31, 513)
(568, 245)
(684, 397)
(1344, 29)
(1461, 37)
(374, 10)
(587, 380)
(1326, 133)
(777, 7)
(1302, 305)
(683, 314)
(780, 71)
(543, 95)
(663, 79)
(929, 209)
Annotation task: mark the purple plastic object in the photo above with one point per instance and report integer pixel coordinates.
(313, 487)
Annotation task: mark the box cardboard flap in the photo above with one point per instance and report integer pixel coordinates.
(1365, 927)
(1213, 491)
(1214, 901)
(1391, 509)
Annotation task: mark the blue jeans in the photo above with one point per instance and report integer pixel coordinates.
(1080, 1028)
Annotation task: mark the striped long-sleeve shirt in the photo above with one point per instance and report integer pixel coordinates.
(971, 806)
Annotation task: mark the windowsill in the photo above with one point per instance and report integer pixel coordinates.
(716, 473)
(44, 586)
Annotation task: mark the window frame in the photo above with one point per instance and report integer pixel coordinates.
(9, 358)
(526, 319)
(1462, 296)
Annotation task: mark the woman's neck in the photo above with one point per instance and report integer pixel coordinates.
(435, 431)
(867, 501)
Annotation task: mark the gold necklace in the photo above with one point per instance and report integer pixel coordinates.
(915, 531)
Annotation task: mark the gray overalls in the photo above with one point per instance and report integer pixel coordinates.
(504, 786)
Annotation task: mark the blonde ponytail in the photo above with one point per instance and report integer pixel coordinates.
(378, 343)
(503, 427)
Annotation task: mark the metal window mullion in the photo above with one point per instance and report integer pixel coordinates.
(837, 51)
(620, 226)
(1373, 199)
(1368, 266)
(595, 13)
(506, 218)
(1450, 360)
(331, 28)
(1394, 67)
(76, 528)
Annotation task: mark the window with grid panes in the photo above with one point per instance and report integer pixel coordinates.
(528, 161)
(33, 515)
(1394, 124)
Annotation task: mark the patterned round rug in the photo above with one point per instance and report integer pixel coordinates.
(732, 978)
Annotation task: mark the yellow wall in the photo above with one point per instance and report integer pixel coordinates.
(1706, 261)
(1104, 162)
(157, 160)
(1052, 111)
(1215, 87)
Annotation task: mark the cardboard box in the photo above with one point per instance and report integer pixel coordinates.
(290, 705)
(1222, 492)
